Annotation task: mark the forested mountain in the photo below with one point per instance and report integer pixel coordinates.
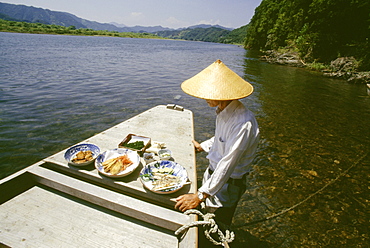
(319, 30)
(236, 36)
(31, 14)
(210, 34)
(207, 26)
(197, 34)
(38, 15)
(39, 28)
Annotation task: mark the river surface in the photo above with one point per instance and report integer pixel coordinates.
(310, 184)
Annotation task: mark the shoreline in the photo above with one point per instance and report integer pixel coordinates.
(340, 68)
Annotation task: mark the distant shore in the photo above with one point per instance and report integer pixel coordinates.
(39, 28)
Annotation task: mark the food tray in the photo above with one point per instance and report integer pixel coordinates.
(131, 138)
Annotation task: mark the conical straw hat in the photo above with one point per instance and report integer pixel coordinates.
(217, 82)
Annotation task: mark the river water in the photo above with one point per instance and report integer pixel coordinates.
(310, 184)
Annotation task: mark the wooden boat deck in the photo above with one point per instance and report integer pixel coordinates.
(53, 204)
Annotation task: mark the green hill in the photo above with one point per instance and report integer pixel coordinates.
(318, 30)
(15, 12)
(39, 28)
(197, 34)
(29, 14)
(211, 34)
(236, 36)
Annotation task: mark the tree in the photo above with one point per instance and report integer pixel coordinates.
(320, 30)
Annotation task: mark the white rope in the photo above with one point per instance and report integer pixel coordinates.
(208, 220)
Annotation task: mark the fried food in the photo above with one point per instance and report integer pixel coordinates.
(116, 165)
(82, 157)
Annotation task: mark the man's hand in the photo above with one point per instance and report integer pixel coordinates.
(197, 146)
(187, 201)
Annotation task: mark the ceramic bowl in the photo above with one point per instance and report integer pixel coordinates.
(71, 153)
(164, 154)
(147, 177)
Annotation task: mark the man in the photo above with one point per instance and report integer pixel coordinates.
(232, 149)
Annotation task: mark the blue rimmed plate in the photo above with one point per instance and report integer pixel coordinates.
(114, 153)
(71, 153)
(147, 176)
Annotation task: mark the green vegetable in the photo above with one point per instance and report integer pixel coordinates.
(147, 177)
(165, 155)
(138, 145)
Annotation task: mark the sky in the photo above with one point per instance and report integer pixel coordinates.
(166, 13)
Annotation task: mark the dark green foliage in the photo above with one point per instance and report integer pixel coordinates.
(236, 36)
(211, 34)
(320, 30)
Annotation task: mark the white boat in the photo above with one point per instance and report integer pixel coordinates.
(54, 204)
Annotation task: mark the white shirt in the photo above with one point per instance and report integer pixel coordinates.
(232, 149)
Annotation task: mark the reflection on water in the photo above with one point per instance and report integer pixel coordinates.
(313, 129)
(58, 90)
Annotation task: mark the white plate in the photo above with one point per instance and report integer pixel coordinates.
(133, 156)
(178, 170)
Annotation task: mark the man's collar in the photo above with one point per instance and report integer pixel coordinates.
(229, 108)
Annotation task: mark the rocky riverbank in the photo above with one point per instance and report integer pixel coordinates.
(343, 68)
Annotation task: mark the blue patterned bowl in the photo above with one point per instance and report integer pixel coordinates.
(72, 151)
(146, 175)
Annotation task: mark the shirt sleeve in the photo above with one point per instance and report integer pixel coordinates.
(236, 144)
(206, 145)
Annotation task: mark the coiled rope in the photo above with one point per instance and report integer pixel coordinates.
(229, 236)
(208, 221)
